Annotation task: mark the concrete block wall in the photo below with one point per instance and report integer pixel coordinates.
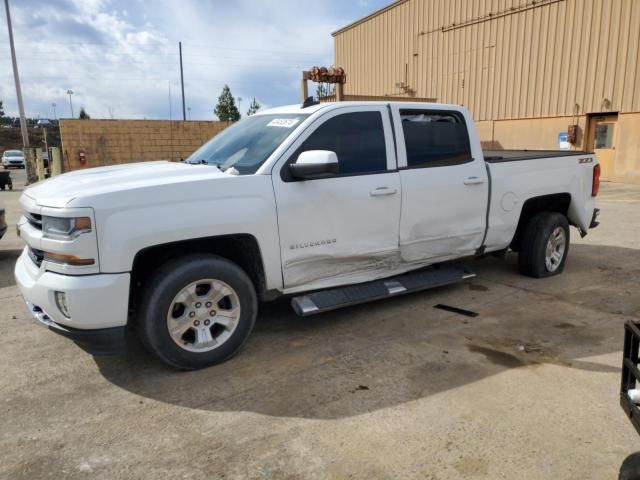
(114, 142)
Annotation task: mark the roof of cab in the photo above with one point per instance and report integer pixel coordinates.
(297, 108)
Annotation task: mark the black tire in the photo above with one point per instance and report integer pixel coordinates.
(630, 468)
(532, 254)
(166, 282)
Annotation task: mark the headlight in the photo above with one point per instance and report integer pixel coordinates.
(65, 228)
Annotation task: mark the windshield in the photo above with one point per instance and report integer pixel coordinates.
(13, 153)
(247, 144)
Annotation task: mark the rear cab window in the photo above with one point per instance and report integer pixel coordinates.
(435, 138)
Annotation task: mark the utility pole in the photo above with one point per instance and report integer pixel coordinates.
(54, 111)
(16, 78)
(70, 92)
(184, 111)
(170, 128)
(169, 84)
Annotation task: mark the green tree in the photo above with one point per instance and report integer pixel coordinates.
(83, 114)
(226, 109)
(1, 109)
(253, 108)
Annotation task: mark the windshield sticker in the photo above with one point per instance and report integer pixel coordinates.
(283, 122)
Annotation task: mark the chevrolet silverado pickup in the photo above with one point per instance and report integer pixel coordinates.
(331, 205)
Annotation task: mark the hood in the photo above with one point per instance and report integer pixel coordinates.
(59, 191)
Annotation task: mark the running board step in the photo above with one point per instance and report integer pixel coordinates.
(325, 300)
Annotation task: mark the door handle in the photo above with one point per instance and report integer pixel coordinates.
(380, 191)
(473, 181)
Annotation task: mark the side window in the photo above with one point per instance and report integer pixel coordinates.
(435, 139)
(357, 139)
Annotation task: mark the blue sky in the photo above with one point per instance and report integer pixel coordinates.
(120, 56)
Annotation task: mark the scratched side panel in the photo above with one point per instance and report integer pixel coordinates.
(333, 231)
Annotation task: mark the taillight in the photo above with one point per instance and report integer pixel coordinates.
(595, 187)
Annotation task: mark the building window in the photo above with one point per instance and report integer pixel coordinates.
(604, 135)
(435, 139)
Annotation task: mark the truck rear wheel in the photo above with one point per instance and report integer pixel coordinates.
(545, 245)
(197, 311)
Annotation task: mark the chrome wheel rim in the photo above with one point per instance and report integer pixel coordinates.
(556, 247)
(203, 315)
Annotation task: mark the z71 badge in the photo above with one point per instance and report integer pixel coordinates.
(315, 243)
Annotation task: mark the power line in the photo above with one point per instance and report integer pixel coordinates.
(170, 59)
(248, 63)
(113, 75)
(168, 47)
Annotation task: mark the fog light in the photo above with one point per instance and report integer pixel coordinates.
(61, 302)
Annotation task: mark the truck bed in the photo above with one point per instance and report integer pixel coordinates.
(497, 156)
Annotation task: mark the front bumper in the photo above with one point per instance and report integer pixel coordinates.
(3, 224)
(594, 219)
(97, 304)
(101, 341)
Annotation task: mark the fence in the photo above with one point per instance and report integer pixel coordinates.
(112, 142)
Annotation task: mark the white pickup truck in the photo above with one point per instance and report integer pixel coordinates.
(332, 204)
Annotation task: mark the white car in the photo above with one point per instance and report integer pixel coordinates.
(332, 205)
(13, 158)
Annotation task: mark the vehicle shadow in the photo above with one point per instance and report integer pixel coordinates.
(8, 259)
(369, 357)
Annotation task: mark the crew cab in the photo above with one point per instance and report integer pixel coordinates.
(331, 204)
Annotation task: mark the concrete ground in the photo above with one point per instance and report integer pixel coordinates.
(396, 389)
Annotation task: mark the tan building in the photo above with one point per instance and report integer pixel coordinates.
(528, 70)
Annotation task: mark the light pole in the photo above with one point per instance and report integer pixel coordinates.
(53, 105)
(16, 79)
(184, 114)
(70, 92)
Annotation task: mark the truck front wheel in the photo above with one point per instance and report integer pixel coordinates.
(545, 245)
(197, 311)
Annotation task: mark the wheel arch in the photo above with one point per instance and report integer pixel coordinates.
(555, 202)
(242, 249)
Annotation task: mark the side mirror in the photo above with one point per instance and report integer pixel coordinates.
(315, 164)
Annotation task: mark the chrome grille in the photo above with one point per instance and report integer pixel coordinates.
(34, 220)
(36, 256)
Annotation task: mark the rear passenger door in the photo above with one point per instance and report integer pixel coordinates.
(344, 228)
(444, 190)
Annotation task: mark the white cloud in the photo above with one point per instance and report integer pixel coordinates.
(121, 55)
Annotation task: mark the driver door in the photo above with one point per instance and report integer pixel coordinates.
(342, 229)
